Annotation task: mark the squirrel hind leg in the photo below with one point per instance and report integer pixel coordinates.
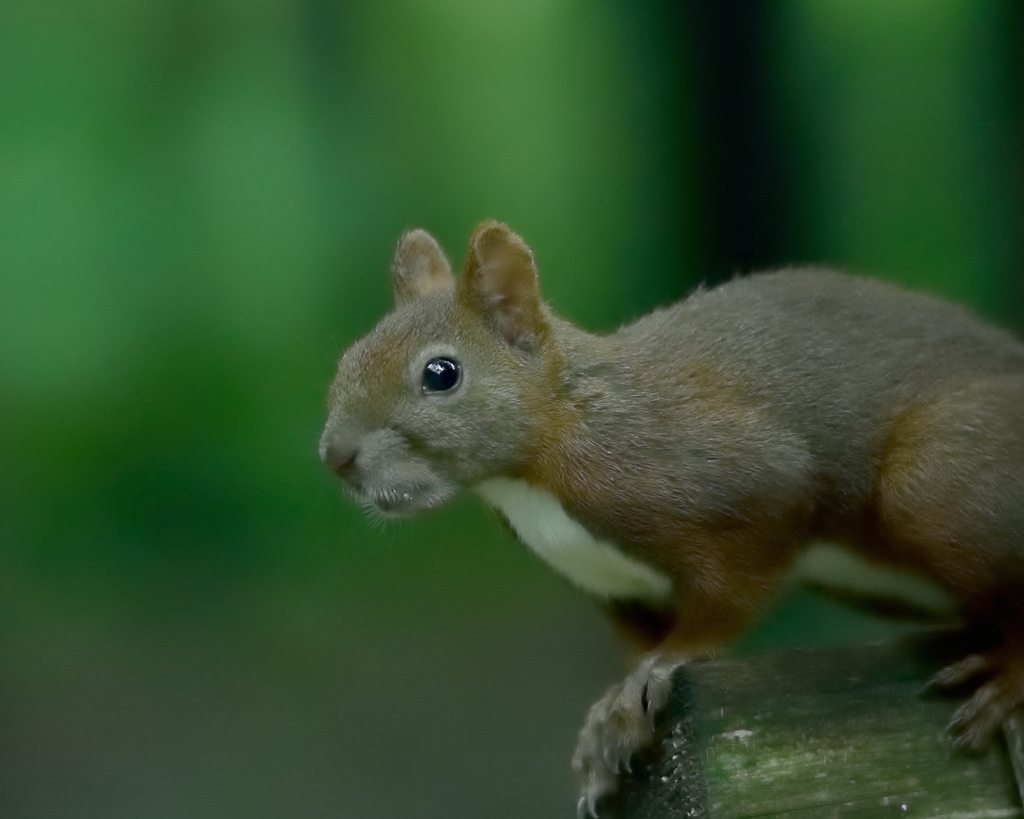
(949, 490)
(1001, 690)
(949, 499)
(984, 661)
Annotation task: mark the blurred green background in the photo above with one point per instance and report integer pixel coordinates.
(198, 202)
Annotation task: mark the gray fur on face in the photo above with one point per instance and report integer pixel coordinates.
(415, 449)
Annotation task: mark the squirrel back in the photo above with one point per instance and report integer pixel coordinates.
(778, 378)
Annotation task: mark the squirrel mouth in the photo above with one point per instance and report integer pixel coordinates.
(397, 502)
(402, 498)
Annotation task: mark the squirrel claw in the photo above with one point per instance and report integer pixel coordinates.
(976, 721)
(978, 718)
(618, 725)
(959, 673)
(586, 808)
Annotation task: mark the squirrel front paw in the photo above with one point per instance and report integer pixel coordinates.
(618, 725)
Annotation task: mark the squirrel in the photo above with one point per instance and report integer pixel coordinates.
(679, 468)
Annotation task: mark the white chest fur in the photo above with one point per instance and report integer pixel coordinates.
(596, 566)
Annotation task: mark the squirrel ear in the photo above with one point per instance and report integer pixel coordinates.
(499, 281)
(418, 267)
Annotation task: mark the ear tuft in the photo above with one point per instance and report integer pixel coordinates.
(499, 281)
(418, 267)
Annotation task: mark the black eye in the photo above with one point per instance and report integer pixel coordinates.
(440, 375)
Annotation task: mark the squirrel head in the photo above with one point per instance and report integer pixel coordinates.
(448, 388)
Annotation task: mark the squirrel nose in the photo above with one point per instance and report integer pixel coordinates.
(339, 456)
